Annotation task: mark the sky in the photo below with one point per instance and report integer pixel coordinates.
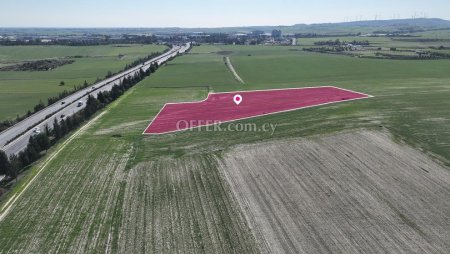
(209, 13)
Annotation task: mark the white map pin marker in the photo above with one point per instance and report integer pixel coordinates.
(237, 99)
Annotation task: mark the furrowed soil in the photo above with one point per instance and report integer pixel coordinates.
(181, 205)
(73, 208)
(354, 192)
(95, 205)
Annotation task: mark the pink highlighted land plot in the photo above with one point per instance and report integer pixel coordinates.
(221, 107)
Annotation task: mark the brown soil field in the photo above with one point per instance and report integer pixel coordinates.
(344, 193)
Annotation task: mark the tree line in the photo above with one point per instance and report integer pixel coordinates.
(337, 42)
(39, 144)
(145, 59)
(220, 38)
(315, 35)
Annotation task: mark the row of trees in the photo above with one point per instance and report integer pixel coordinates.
(66, 93)
(221, 38)
(145, 59)
(38, 144)
(336, 49)
(420, 55)
(315, 35)
(337, 42)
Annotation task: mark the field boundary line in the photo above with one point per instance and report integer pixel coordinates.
(7, 207)
(233, 71)
(255, 116)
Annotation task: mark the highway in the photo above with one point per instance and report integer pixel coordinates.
(68, 106)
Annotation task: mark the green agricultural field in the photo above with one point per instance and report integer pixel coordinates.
(113, 189)
(438, 34)
(200, 68)
(21, 90)
(410, 96)
(387, 42)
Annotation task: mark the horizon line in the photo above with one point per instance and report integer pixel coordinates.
(218, 27)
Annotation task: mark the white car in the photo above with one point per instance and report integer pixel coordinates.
(37, 130)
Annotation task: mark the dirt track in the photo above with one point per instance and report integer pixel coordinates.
(231, 68)
(348, 193)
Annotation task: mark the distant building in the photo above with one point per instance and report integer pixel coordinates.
(276, 34)
(196, 35)
(257, 33)
(294, 41)
(238, 36)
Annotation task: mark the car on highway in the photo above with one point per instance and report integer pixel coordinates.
(37, 130)
(62, 116)
(63, 102)
(80, 103)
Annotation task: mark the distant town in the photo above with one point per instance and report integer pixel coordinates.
(257, 37)
(253, 35)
